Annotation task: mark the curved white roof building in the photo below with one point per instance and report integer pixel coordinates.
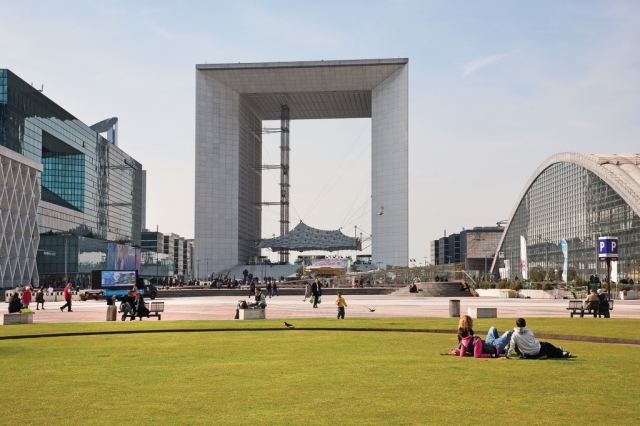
(578, 198)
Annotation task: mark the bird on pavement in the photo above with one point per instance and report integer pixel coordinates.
(288, 325)
(371, 309)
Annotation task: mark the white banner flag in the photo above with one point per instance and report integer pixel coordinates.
(614, 271)
(523, 257)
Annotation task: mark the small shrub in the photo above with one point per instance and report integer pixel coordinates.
(502, 285)
(547, 286)
(536, 286)
(516, 285)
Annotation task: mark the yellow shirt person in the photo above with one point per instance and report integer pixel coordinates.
(341, 304)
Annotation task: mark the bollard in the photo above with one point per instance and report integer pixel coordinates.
(454, 308)
(112, 312)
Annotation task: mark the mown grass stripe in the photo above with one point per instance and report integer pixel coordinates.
(568, 337)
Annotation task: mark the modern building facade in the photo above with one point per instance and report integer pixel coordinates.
(19, 202)
(187, 259)
(478, 246)
(232, 100)
(474, 248)
(88, 186)
(152, 241)
(177, 248)
(576, 198)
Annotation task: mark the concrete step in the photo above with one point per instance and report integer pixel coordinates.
(373, 291)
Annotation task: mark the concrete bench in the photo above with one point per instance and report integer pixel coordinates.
(248, 314)
(13, 319)
(482, 312)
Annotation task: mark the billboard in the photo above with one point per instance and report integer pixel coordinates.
(115, 279)
(328, 263)
(121, 257)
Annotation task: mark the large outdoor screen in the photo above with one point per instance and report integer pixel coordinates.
(111, 279)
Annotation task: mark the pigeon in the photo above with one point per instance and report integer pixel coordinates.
(288, 325)
(381, 212)
(370, 309)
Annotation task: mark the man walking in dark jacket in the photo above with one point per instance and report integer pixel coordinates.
(316, 292)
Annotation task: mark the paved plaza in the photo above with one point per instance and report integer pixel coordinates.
(287, 307)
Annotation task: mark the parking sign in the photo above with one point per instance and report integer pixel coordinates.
(607, 248)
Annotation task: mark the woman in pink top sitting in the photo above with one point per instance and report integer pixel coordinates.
(474, 346)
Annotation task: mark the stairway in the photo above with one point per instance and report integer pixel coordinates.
(433, 289)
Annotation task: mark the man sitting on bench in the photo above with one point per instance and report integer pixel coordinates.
(261, 301)
(592, 302)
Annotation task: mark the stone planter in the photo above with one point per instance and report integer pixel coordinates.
(13, 319)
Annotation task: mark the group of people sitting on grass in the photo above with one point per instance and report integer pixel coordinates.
(133, 305)
(521, 341)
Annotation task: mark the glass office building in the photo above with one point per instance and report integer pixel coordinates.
(89, 187)
(576, 198)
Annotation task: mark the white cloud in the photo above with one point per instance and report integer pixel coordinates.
(481, 63)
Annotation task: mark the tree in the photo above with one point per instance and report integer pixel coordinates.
(571, 274)
(354, 268)
(300, 271)
(536, 274)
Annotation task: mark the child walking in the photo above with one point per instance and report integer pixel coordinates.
(341, 304)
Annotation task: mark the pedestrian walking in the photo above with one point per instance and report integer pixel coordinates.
(26, 297)
(274, 289)
(269, 289)
(316, 292)
(67, 293)
(341, 304)
(307, 292)
(252, 288)
(40, 299)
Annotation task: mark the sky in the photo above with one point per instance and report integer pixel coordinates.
(495, 88)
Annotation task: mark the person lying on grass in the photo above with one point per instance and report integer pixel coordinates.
(526, 346)
(476, 347)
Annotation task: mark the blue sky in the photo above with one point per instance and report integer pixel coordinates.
(495, 88)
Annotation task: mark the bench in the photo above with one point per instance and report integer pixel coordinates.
(155, 310)
(482, 312)
(575, 306)
(17, 318)
(247, 314)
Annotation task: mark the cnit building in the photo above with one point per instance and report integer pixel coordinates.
(575, 198)
(232, 100)
(69, 198)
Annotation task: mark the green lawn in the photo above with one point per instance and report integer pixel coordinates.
(310, 377)
(600, 327)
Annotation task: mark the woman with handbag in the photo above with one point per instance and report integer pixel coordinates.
(316, 291)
